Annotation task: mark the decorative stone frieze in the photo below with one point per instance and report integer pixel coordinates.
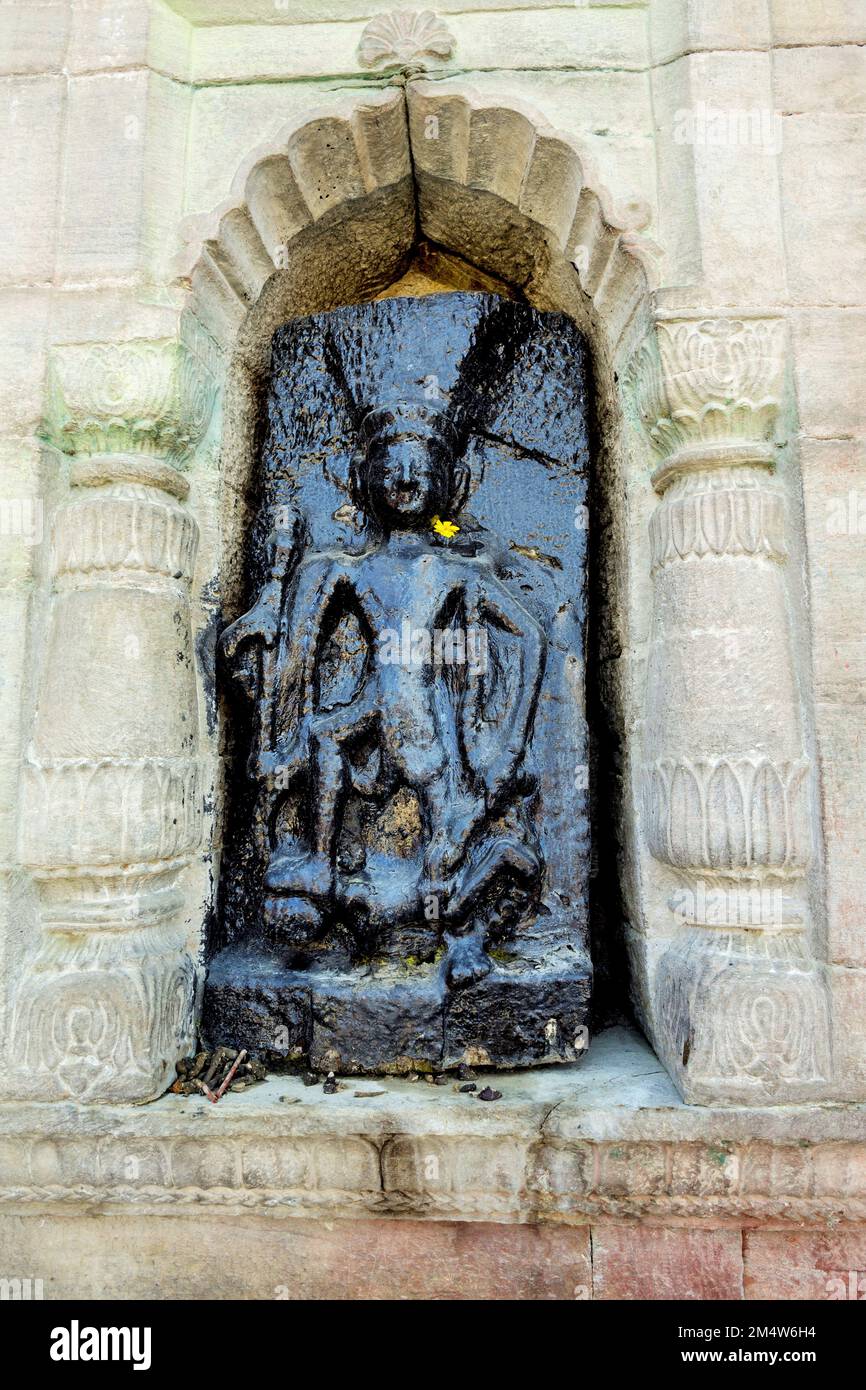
(708, 391)
(98, 811)
(718, 513)
(741, 1007)
(111, 790)
(552, 1150)
(104, 1018)
(728, 814)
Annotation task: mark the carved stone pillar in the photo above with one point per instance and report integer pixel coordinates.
(740, 1006)
(111, 801)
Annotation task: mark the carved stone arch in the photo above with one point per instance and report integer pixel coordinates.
(492, 182)
(332, 210)
(689, 402)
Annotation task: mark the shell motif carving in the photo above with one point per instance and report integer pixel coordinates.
(403, 37)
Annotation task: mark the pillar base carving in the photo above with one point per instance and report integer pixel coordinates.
(103, 1015)
(743, 1016)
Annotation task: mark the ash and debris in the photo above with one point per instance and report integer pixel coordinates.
(213, 1074)
(209, 1071)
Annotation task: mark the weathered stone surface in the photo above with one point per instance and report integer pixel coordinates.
(27, 248)
(632, 1263)
(848, 988)
(830, 347)
(112, 795)
(821, 79)
(805, 1264)
(797, 22)
(408, 831)
(831, 142)
(250, 1258)
(33, 39)
(842, 744)
(91, 245)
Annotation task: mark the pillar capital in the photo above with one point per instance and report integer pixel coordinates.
(707, 391)
(142, 396)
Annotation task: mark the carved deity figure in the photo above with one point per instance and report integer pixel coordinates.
(405, 866)
(404, 676)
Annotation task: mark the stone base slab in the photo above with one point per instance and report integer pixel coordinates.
(208, 1255)
(591, 1181)
(360, 1022)
(604, 1139)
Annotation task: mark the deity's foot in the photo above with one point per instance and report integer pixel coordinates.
(448, 843)
(466, 961)
(298, 871)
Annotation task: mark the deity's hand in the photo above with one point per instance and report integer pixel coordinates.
(260, 624)
(241, 643)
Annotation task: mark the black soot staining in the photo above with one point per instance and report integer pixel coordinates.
(404, 883)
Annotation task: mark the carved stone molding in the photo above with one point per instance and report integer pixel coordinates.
(719, 513)
(105, 1021)
(404, 38)
(707, 391)
(551, 1156)
(728, 814)
(126, 528)
(428, 177)
(744, 1014)
(109, 811)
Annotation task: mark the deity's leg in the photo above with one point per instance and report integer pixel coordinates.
(308, 870)
(452, 813)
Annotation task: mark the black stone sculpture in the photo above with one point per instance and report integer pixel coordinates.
(405, 878)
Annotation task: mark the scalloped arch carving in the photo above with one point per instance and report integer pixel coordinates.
(339, 200)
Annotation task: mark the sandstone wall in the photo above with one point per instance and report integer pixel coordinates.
(725, 138)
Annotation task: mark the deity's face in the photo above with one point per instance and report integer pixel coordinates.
(406, 480)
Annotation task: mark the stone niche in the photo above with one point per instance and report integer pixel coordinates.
(405, 881)
(307, 296)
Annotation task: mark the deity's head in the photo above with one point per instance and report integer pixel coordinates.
(407, 472)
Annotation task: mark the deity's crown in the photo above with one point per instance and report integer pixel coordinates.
(418, 419)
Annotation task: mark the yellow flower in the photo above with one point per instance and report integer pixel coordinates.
(445, 528)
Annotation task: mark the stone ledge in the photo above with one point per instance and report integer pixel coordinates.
(607, 1137)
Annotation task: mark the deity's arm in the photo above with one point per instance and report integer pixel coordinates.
(258, 627)
(315, 584)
